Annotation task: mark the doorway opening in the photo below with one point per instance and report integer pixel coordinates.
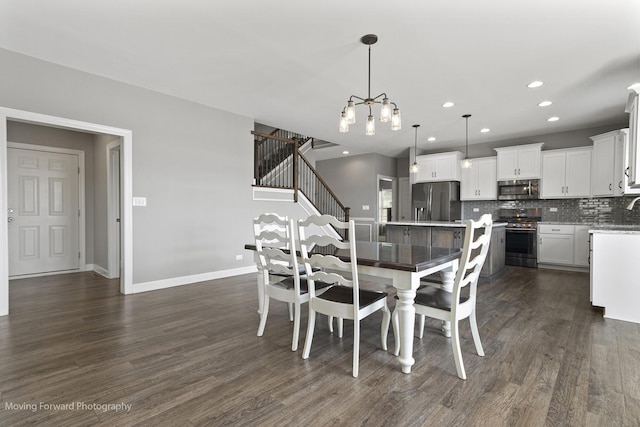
(387, 206)
(125, 190)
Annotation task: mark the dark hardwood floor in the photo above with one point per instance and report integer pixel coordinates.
(190, 356)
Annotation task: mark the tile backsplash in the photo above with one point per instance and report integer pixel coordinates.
(601, 210)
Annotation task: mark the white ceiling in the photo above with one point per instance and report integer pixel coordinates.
(292, 64)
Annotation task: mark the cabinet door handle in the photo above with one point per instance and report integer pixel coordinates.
(620, 185)
(566, 189)
(626, 171)
(610, 186)
(518, 171)
(515, 171)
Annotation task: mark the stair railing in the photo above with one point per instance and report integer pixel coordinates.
(278, 163)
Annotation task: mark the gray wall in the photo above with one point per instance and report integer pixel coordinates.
(193, 163)
(354, 179)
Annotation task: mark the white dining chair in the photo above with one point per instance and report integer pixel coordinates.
(452, 306)
(345, 299)
(278, 265)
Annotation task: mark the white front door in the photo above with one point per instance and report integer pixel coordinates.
(43, 211)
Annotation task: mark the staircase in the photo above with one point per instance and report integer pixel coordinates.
(279, 164)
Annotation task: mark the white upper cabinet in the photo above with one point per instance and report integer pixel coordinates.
(479, 181)
(611, 164)
(566, 173)
(633, 152)
(439, 167)
(519, 162)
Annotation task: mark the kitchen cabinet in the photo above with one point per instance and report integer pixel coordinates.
(519, 162)
(581, 246)
(479, 182)
(439, 167)
(614, 276)
(566, 173)
(610, 167)
(633, 152)
(555, 244)
(445, 237)
(563, 244)
(409, 235)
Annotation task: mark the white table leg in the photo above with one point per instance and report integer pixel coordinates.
(406, 315)
(448, 275)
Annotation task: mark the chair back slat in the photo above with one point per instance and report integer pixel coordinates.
(275, 246)
(332, 269)
(477, 240)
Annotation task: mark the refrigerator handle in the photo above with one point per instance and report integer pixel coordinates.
(430, 203)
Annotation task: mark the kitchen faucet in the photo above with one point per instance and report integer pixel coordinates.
(632, 203)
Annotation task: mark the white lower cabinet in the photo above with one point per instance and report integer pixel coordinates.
(563, 244)
(555, 244)
(614, 275)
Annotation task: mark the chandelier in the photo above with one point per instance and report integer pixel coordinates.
(415, 167)
(348, 115)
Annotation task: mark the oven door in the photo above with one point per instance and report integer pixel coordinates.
(520, 248)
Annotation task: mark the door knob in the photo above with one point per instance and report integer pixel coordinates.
(10, 219)
(10, 210)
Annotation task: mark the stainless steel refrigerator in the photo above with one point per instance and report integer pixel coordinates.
(436, 201)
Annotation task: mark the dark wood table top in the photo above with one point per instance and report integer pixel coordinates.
(394, 256)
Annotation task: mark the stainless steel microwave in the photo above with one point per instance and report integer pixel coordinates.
(519, 189)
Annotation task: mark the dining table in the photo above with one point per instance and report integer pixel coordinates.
(402, 266)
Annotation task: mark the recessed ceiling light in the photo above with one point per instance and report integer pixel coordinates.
(535, 84)
(431, 138)
(345, 152)
(448, 104)
(485, 130)
(545, 104)
(553, 119)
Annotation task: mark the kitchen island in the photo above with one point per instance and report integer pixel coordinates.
(615, 270)
(449, 234)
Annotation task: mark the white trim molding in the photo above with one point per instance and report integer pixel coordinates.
(188, 280)
(10, 114)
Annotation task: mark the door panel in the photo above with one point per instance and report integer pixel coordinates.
(43, 211)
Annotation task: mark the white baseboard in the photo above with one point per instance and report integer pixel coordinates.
(97, 269)
(187, 280)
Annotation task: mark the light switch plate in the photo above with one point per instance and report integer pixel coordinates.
(139, 201)
(365, 207)
(476, 209)
(553, 209)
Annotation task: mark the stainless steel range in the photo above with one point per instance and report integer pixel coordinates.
(522, 224)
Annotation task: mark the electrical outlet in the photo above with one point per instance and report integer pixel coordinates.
(553, 209)
(238, 257)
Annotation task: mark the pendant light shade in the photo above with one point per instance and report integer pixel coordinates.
(415, 167)
(389, 111)
(466, 162)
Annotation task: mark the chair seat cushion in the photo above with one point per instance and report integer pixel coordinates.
(436, 298)
(288, 283)
(344, 295)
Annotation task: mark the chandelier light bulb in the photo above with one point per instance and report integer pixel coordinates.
(344, 125)
(351, 113)
(396, 121)
(385, 111)
(370, 129)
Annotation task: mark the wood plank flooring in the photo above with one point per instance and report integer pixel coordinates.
(190, 356)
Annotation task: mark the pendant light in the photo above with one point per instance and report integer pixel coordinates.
(466, 162)
(415, 167)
